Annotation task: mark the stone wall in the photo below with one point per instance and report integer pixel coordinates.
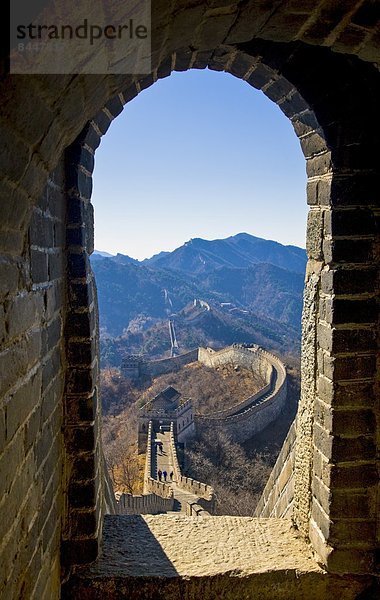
(254, 359)
(155, 368)
(109, 500)
(151, 485)
(32, 315)
(146, 504)
(246, 420)
(204, 491)
(277, 497)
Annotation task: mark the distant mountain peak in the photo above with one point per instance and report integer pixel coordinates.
(238, 251)
(103, 253)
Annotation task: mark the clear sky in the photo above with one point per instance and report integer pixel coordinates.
(198, 154)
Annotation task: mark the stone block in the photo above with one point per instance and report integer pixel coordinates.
(53, 299)
(115, 107)
(313, 143)
(350, 561)
(354, 422)
(348, 251)
(51, 335)
(22, 313)
(82, 495)
(83, 522)
(56, 265)
(314, 234)
(360, 476)
(52, 365)
(81, 381)
(10, 460)
(84, 467)
(80, 439)
(353, 311)
(41, 232)
(21, 405)
(352, 367)
(353, 449)
(59, 235)
(14, 213)
(355, 504)
(318, 165)
(357, 189)
(42, 445)
(80, 324)
(353, 533)
(322, 493)
(39, 266)
(79, 551)
(321, 519)
(352, 222)
(81, 353)
(81, 294)
(9, 277)
(293, 105)
(102, 122)
(78, 265)
(304, 123)
(354, 394)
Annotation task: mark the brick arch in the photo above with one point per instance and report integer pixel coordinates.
(338, 141)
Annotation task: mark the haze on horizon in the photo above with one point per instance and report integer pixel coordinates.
(199, 154)
(101, 250)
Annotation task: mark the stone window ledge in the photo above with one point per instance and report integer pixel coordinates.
(174, 556)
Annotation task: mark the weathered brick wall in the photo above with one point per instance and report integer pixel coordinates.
(146, 504)
(278, 494)
(204, 491)
(250, 359)
(154, 368)
(151, 485)
(32, 312)
(242, 421)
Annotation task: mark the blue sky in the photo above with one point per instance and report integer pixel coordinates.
(198, 154)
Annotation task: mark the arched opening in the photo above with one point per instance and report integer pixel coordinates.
(325, 164)
(208, 146)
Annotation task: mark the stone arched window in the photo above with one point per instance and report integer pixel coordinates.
(339, 305)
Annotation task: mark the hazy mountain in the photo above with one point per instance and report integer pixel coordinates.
(265, 289)
(124, 259)
(195, 327)
(126, 290)
(239, 251)
(99, 254)
(250, 297)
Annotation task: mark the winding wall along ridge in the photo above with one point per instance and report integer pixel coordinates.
(253, 414)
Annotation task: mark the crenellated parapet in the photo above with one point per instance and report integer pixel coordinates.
(253, 414)
(204, 492)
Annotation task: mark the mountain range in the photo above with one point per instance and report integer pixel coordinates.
(252, 287)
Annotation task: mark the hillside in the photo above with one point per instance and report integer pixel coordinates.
(252, 286)
(126, 290)
(195, 328)
(238, 472)
(265, 289)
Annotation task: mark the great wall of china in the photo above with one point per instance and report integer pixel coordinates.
(241, 421)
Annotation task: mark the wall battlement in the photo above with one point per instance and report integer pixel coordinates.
(253, 414)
